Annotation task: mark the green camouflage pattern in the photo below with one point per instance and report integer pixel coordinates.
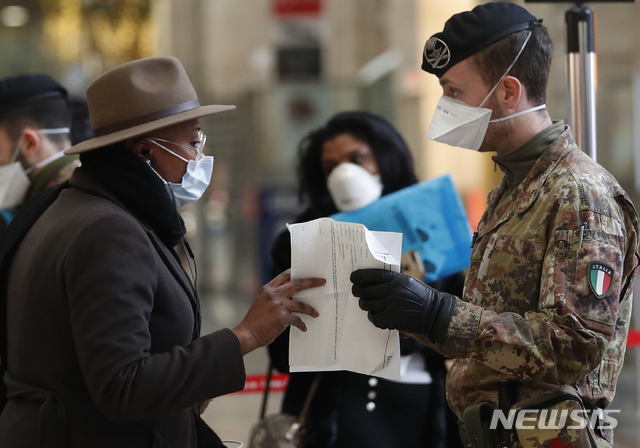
(558, 424)
(528, 312)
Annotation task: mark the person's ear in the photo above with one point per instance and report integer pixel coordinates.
(509, 92)
(142, 150)
(30, 145)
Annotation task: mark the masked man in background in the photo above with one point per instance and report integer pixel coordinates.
(546, 306)
(35, 120)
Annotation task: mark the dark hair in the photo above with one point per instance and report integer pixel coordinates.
(46, 114)
(80, 121)
(391, 152)
(532, 67)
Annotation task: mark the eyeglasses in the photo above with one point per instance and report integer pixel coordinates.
(198, 147)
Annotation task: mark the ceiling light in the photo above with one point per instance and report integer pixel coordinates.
(14, 16)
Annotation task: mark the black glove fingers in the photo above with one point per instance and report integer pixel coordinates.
(403, 280)
(401, 302)
(373, 305)
(381, 320)
(372, 291)
(412, 284)
(397, 320)
(372, 276)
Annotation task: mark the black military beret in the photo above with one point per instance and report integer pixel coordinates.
(16, 91)
(468, 32)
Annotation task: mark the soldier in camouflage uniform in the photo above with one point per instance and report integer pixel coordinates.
(547, 300)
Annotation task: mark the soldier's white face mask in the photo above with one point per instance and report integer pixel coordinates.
(352, 187)
(14, 182)
(459, 124)
(194, 182)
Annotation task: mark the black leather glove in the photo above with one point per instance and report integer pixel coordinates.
(400, 302)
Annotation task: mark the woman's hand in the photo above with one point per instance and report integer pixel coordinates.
(272, 311)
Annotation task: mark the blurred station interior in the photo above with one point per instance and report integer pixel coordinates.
(288, 65)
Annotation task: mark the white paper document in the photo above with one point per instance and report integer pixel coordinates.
(341, 338)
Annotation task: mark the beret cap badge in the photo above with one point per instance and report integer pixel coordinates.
(437, 53)
(468, 32)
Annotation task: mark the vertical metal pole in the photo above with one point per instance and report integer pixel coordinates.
(581, 68)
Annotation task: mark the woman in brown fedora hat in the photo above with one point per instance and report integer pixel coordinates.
(102, 320)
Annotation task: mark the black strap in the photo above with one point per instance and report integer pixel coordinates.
(28, 215)
(265, 394)
(302, 418)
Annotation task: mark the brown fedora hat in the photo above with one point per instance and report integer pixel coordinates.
(139, 97)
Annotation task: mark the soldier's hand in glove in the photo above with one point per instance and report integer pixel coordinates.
(400, 302)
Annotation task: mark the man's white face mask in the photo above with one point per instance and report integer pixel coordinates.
(14, 182)
(459, 124)
(352, 187)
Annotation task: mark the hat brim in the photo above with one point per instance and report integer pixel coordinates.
(135, 131)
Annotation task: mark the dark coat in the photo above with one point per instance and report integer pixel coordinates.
(101, 325)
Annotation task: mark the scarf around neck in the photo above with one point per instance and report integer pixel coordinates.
(139, 189)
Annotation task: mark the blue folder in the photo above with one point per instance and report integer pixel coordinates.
(430, 217)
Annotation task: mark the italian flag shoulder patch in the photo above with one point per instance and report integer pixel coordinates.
(600, 278)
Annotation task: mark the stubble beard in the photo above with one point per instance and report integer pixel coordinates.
(498, 134)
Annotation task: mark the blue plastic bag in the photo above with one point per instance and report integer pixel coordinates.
(432, 220)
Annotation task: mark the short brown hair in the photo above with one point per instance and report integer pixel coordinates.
(50, 113)
(531, 69)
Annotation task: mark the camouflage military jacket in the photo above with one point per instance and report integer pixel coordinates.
(547, 297)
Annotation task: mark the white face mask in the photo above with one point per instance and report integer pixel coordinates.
(49, 159)
(14, 182)
(459, 124)
(194, 182)
(352, 187)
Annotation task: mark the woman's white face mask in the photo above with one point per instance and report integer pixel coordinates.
(352, 187)
(459, 124)
(194, 182)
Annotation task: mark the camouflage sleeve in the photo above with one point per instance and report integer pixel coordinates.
(423, 339)
(587, 277)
